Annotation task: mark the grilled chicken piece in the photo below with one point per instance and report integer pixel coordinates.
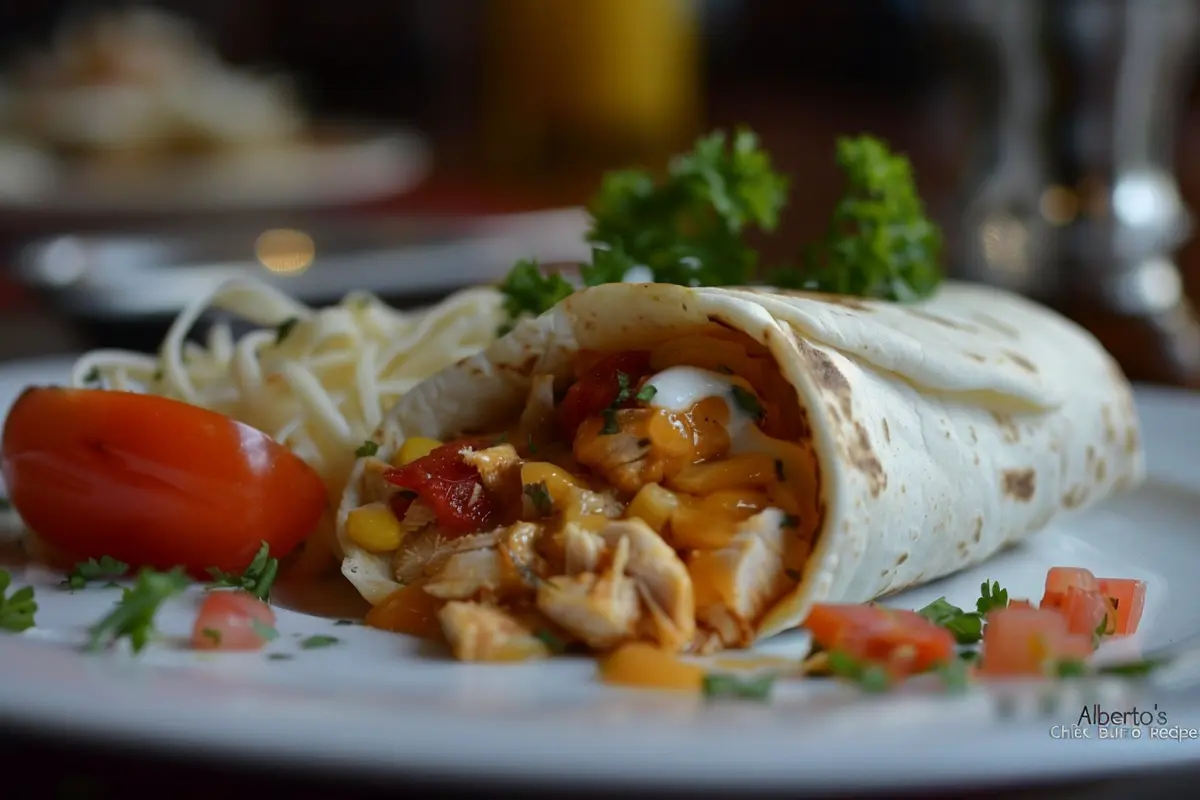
(426, 552)
(661, 578)
(736, 584)
(621, 458)
(465, 575)
(582, 549)
(522, 564)
(601, 611)
(499, 467)
(478, 632)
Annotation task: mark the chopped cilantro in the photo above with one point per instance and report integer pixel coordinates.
(539, 495)
(18, 609)
(133, 615)
(1070, 668)
(552, 642)
(5, 503)
(610, 422)
(955, 675)
(267, 632)
(991, 597)
(318, 641)
(871, 677)
(724, 685)
(280, 656)
(212, 634)
(366, 449)
(94, 570)
(92, 376)
(967, 626)
(747, 402)
(257, 578)
(1132, 669)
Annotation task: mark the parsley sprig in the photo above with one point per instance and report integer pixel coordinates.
(688, 228)
(17, 609)
(106, 568)
(967, 626)
(133, 615)
(257, 578)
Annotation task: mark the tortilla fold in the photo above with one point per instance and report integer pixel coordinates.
(942, 431)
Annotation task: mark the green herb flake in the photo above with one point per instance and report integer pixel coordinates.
(212, 634)
(92, 376)
(646, 393)
(106, 567)
(610, 423)
(552, 642)
(966, 626)
(871, 677)
(18, 609)
(366, 449)
(530, 446)
(266, 632)
(1069, 668)
(318, 641)
(5, 503)
(991, 598)
(347, 622)
(539, 495)
(528, 291)
(279, 656)
(747, 402)
(725, 686)
(954, 674)
(133, 615)
(285, 329)
(257, 578)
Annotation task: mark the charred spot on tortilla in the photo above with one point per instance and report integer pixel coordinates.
(1110, 427)
(887, 434)
(1021, 361)
(976, 357)
(862, 457)
(1020, 484)
(903, 557)
(1132, 443)
(1075, 497)
(978, 529)
(825, 373)
(940, 320)
(996, 325)
(1010, 432)
(1101, 470)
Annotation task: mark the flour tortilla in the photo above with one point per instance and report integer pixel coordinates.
(943, 430)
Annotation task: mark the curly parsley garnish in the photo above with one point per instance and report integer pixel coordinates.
(16, 610)
(722, 685)
(133, 615)
(879, 242)
(106, 568)
(527, 290)
(967, 626)
(257, 578)
(991, 597)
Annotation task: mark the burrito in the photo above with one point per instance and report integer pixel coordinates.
(696, 467)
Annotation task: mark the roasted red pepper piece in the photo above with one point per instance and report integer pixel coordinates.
(450, 486)
(598, 388)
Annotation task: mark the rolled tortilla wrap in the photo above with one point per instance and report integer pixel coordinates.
(940, 432)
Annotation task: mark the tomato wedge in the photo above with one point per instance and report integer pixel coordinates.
(451, 487)
(598, 388)
(1128, 598)
(233, 621)
(153, 481)
(902, 641)
(1060, 579)
(1026, 641)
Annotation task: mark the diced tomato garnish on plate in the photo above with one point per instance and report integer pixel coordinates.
(1025, 641)
(233, 621)
(1020, 604)
(598, 387)
(902, 641)
(450, 486)
(1128, 597)
(1088, 612)
(1059, 579)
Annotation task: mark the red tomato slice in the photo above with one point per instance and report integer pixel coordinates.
(451, 487)
(1024, 641)
(152, 481)
(598, 387)
(233, 621)
(903, 641)
(1086, 612)
(1128, 597)
(1059, 579)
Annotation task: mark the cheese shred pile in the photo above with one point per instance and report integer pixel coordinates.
(318, 380)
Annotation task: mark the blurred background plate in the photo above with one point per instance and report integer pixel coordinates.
(334, 164)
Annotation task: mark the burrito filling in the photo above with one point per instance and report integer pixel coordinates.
(666, 495)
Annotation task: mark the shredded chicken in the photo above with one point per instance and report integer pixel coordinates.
(426, 552)
(582, 549)
(478, 632)
(499, 468)
(466, 575)
(620, 458)
(742, 579)
(602, 611)
(518, 553)
(661, 578)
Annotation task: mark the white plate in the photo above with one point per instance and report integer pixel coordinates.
(381, 704)
(344, 164)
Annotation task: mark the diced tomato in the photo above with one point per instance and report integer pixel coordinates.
(1087, 612)
(450, 486)
(1059, 579)
(1128, 597)
(233, 621)
(1025, 641)
(598, 387)
(902, 641)
(1020, 604)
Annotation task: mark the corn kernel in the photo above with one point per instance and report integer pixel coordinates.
(751, 470)
(374, 528)
(653, 505)
(413, 448)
